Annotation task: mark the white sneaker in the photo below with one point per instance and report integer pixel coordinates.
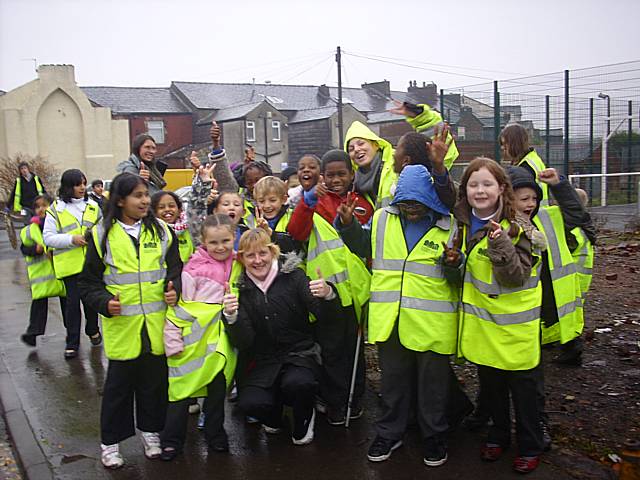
(151, 444)
(308, 436)
(111, 457)
(271, 430)
(194, 408)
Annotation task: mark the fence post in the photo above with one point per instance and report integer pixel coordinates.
(629, 149)
(566, 122)
(496, 121)
(590, 146)
(547, 148)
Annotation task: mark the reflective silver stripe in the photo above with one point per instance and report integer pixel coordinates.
(198, 331)
(503, 318)
(68, 228)
(497, 289)
(193, 365)
(164, 242)
(431, 130)
(453, 232)
(87, 223)
(182, 314)
(40, 259)
(544, 202)
(134, 278)
(323, 245)
(42, 279)
(380, 229)
(433, 271)
(60, 251)
(435, 306)
(145, 308)
(385, 296)
(558, 271)
(385, 202)
(584, 270)
(570, 307)
(250, 221)
(339, 277)
(28, 234)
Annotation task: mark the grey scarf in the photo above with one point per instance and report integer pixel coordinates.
(155, 176)
(367, 179)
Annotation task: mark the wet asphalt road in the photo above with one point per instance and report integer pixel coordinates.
(62, 402)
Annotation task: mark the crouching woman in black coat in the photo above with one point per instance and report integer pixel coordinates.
(270, 323)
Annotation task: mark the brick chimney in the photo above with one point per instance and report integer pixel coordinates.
(323, 91)
(380, 88)
(425, 94)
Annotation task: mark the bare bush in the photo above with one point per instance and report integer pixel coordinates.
(48, 174)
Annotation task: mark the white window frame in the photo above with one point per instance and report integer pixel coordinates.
(276, 131)
(250, 130)
(155, 128)
(462, 133)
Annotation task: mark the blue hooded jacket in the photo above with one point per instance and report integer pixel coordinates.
(415, 184)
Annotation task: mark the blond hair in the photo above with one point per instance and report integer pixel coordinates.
(254, 239)
(269, 184)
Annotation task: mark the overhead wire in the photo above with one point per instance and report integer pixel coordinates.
(324, 59)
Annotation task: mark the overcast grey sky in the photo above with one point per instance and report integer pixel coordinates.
(151, 43)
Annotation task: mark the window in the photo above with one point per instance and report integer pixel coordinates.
(250, 128)
(155, 128)
(275, 130)
(461, 133)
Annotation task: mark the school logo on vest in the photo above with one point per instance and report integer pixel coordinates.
(150, 245)
(431, 245)
(483, 252)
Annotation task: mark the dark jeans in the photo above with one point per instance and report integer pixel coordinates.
(175, 429)
(73, 316)
(522, 385)
(408, 375)
(143, 380)
(337, 337)
(39, 313)
(295, 386)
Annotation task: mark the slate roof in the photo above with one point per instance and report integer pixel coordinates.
(230, 113)
(135, 99)
(313, 114)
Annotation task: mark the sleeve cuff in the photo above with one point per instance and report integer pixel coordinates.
(231, 319)
(442, 179)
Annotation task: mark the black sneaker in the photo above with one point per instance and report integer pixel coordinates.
(546, 436)
(28, 339)
(569, 358)
(219, 443)
(381, 449)
(303, 430)
(335, 416)
(356, 412)
(435, 452)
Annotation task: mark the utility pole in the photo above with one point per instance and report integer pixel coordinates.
(340, 132)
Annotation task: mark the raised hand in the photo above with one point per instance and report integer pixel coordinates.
(215, 132)
(321, 187)
(262, 222)
(206, 172)
(451, 255)
(400, 109)
(438, 149)
(346, 209)
(170, 295)
(496, 230)
(194, 160)
(319, 288)
(78, 240)
(114, 307)
(144, 171)
(549, 176)
(229, 301)
(39, 249)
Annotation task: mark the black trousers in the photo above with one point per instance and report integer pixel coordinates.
(295, 386)
(523, 386)
(175, 428)
(73, 316)
(408, 375)
(39, 313)
(143, 380)
(337, 338)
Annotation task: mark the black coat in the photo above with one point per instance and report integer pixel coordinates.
(274, 329)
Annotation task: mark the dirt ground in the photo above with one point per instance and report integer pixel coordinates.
(594, 410)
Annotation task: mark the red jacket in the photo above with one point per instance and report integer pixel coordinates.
(301, 221)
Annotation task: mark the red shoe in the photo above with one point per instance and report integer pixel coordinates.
(526, 464)
(491, 452)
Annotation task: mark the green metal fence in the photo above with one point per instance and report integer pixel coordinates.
(567, 115)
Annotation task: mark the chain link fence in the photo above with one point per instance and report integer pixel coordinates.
(570, 116)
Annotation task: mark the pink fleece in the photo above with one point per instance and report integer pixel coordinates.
(203, 280)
